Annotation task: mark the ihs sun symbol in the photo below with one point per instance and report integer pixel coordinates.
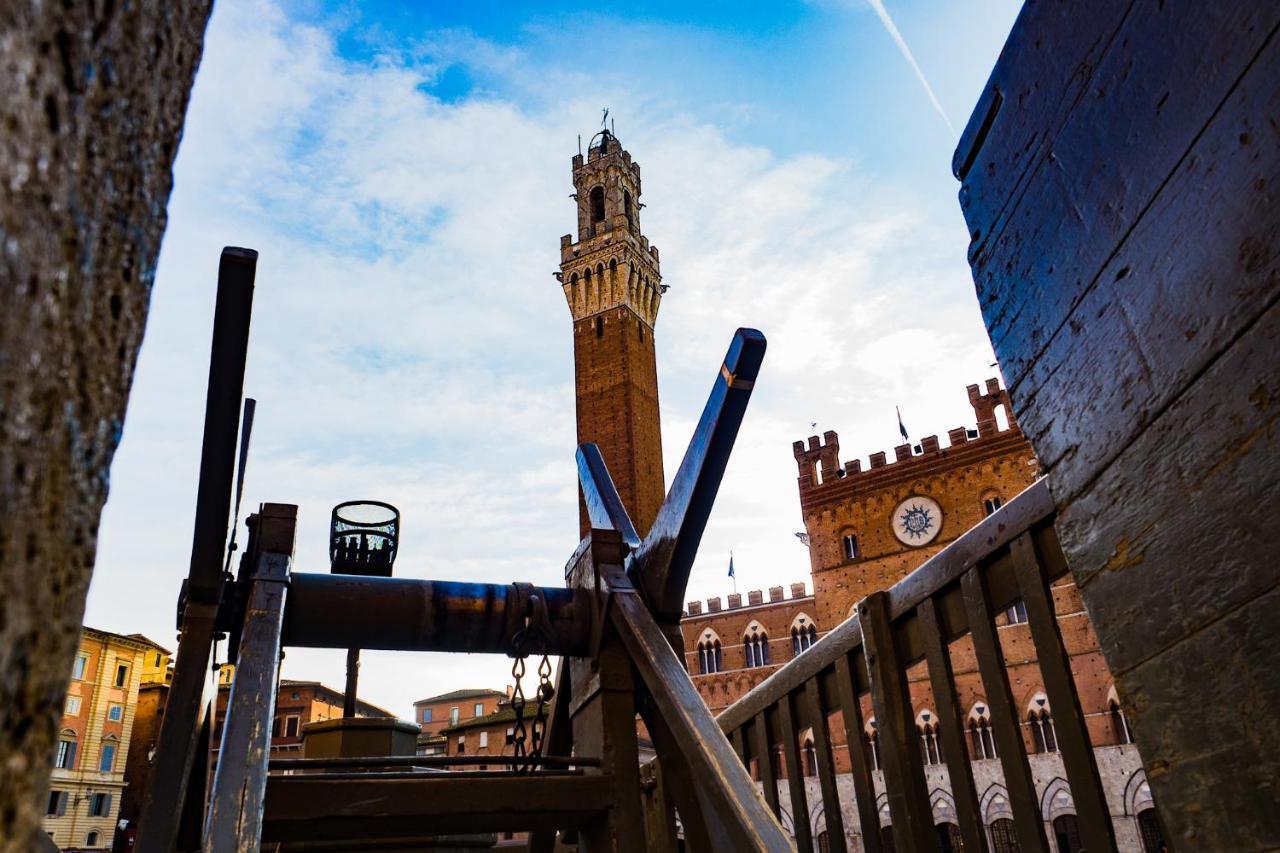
(916, 521)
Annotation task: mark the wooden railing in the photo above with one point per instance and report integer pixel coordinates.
(1012, 555)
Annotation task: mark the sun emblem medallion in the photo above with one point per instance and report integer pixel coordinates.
(917, 520)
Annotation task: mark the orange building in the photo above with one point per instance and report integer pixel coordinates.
(96, 734)
(297, 703)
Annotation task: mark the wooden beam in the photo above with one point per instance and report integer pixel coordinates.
(896, 731)
(736, 805)
(1006, 721)
(826, 766)
(1064, 702)
(864, 788)
(951, 728)
(316, 808)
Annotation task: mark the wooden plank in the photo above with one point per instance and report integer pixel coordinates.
(737, 806)
(864, 788)
(1005, 717)
(662, 565)
(789, 735)
(1064, 702)
(1097, 173)
(903, 765)
(951, 728)
(178, 746)
(764, 761)
(1032, 506)
(826, 767)
(739, 743)
(234, 821)
(312, 807)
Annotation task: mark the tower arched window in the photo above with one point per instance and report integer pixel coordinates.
(1041, 722)
(1120, 723)
(980, 736)
(930, 746)
(991, 504)
(803, 634)
(596, 201)
(710, 657)
(755, 645)
(849, 542)
(810, 758)
(626, 208)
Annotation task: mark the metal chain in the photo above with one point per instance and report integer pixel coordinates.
(545, 693)
(528, 743)
(519, 736)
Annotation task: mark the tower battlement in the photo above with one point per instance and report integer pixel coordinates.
(818, 459)
(611, 264)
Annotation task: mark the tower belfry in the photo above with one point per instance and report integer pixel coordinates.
(613, 285)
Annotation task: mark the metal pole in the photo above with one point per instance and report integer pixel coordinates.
(353, 678)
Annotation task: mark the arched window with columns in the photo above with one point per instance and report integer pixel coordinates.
(710, 656)
(755, 645)
(980, 737)
(803, 633)
(927, 728)
(1040, 719)
(873, 742)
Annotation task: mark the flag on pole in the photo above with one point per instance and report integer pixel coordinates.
(731, 564)
(901, 427)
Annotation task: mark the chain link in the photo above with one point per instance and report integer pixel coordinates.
(528, 743)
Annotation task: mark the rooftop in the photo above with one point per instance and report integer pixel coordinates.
(465, 693)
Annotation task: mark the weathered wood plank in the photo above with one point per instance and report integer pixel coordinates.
(864, 789)
(951, 727)
(826, 766)
(1101, 169)
(764, 761)
(1005, 717)
(904, 778)
(1165, 306)
(790, 733)
(1068, 717)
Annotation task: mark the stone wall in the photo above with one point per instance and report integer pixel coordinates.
(1119, 181)
(92, 109)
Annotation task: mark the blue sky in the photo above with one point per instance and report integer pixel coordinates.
(403, 170)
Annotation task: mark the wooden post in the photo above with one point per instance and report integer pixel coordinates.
(826, 765)
(795, 773)
(1006, 722)
(864, 789)
(602, 711)
(899, 745)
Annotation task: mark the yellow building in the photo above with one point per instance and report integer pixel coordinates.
(93, 741)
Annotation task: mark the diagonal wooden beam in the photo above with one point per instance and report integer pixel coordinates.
(604, 504)
(662, 565)
(735, 807)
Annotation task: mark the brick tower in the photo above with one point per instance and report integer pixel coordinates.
(612, 283)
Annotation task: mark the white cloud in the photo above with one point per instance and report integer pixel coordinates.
(410, 344)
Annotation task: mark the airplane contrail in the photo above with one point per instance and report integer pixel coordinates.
(883, 13)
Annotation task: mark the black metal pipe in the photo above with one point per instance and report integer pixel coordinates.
(351, 611)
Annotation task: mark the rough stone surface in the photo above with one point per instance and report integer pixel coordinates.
(91, 108)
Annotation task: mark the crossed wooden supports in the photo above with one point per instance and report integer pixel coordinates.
(642, 586)
(616, 628)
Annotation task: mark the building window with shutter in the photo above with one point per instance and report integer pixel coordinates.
(100, 805)
(850, 544)
(484, 740)
(79, 667)
(115, 713)
(57, 804)
(66, 758)
(479, 709)
(291, 725)
(107, 758)
(122, 675)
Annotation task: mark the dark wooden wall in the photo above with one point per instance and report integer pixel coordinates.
(92, 99)
(1120, 179)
